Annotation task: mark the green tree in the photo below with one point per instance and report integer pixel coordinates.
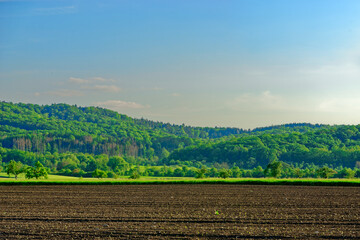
(213, 172)
(200, 173)
(164, 153)
(258, 172)
(357, 173)
(37, 172)
(236, 172)
(224, 173)
(298, 173)
(325, 172)
(134, 175)
(346, 173)
(178, 172)
(118, 164)
(14, 168)
(273, 169)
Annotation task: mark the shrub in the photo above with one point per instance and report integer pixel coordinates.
(99, 173)
(200, 173)
(325, 172)
(224, 173)
(112, 175)
(135, 175)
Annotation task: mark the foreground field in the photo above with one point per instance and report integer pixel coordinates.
(179, 212)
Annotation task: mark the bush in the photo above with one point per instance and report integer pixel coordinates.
(224, 173)
(112, 175)
(325, 172)
(99, 174)
(135, 175)
(200, 173)
(346, 173)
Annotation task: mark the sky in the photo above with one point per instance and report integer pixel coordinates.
(240, 63)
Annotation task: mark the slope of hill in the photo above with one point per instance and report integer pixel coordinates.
(61, 128)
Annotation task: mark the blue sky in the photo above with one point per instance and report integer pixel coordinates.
(204, 63)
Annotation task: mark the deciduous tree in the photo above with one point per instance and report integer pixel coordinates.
(14, 168)
(273, 169)
(37, 172)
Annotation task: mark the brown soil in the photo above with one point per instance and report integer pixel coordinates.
(179, 212)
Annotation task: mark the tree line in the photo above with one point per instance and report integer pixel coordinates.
(101, 166)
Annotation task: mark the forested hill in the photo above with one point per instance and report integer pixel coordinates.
(218, 132)
(64, 120)
(61, 128)
(65, 128)
(337, 146)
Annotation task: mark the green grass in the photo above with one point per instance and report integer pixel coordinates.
(21, 177)
(65, 180)
(54, 178)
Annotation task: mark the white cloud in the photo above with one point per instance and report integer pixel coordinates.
(258, 102)
(267, 108)
(37, 94)
(90, 80)
(340, 105)
(337, 74)
(120, 105)
(176, 94)
(101, 79)
(105, 88)
(78, 80)
(90, 84)
(343, 69)
(346, 72)
(65, 93)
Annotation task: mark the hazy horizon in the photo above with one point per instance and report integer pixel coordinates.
(242, 64)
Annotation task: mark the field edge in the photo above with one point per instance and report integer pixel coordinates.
(295, 182)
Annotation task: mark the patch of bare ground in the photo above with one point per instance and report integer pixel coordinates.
(179, 212)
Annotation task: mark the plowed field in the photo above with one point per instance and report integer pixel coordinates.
(179, 212)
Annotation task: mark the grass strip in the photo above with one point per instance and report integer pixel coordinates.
(294, 182)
